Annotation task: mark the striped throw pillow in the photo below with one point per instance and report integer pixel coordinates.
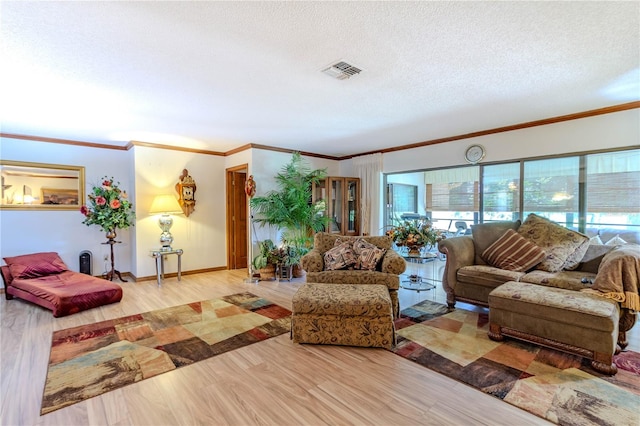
(513, 252)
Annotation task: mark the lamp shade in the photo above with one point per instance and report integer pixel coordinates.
(165, 204)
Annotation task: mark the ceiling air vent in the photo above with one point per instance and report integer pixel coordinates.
(341, 70)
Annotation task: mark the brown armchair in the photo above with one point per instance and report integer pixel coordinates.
(387, 270)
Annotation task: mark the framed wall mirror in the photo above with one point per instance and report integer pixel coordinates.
(40, 186)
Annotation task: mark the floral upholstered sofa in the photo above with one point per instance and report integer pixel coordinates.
(339, 259)
(542, 252)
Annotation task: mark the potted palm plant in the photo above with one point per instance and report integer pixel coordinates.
(289, 208)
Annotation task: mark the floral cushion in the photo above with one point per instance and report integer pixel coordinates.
(574, 259)
(369, 255)
(513, 253)
(324, 241)
(558, 242)
(369, 258)
(348, 241)
(564, 306)
(339, 257)
(35, 265)
(359, 244)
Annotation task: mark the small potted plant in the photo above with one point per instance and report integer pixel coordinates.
(265, 262)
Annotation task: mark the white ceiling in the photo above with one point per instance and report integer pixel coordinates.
(219, 75)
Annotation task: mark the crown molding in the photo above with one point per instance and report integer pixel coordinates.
(543, 122)
(528, 124)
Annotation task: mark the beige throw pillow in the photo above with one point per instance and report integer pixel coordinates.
(558, 242)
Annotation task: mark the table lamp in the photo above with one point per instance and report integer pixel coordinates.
(165, 205)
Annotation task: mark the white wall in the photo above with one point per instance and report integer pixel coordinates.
(23, 232)
(202, 234)
(620, 129)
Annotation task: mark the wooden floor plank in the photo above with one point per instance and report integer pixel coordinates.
(275, 382)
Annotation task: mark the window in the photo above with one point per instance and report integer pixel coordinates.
(452, 195)
(579, 191)
(613, 189)
(404, 199)
(501, 192)
(551, 189)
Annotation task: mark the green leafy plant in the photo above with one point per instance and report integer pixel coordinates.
(289, 207)
(268, 255)
(108, 207)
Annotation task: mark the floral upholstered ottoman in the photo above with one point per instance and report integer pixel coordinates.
(343, 314)
(568, 320)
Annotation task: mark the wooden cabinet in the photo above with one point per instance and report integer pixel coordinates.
(342, 203)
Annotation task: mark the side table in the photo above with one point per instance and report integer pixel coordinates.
(159, 255)
(414, 280)
(113, 272)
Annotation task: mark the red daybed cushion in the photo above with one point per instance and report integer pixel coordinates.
(64, 293)
(35, 265)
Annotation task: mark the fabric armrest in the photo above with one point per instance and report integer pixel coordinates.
(7, 278)
(460, 252)
(393, 263)
(6, 275)
(312, 261)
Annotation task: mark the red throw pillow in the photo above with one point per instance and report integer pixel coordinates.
(35, 265)
(513, 252)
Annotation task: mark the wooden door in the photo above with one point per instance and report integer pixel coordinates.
(237, 224)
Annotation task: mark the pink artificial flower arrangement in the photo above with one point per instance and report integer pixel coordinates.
(108, 207)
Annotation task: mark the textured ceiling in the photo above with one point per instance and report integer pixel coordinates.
(219, 75)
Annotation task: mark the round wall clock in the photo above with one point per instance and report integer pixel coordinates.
(474, 154)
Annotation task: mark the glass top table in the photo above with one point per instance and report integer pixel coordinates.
(413, 280)
(159, 255)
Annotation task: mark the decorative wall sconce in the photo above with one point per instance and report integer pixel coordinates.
(186, 188)
(165, 205)
(250, 187)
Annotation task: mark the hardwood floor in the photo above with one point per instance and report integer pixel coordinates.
(272, 382)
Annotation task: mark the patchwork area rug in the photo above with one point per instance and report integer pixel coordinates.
(90, 360)
(556, 386)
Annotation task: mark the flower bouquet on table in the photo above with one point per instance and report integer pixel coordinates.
(415, 234)
(108, 207)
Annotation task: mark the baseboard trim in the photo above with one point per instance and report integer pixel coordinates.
(175, 274)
